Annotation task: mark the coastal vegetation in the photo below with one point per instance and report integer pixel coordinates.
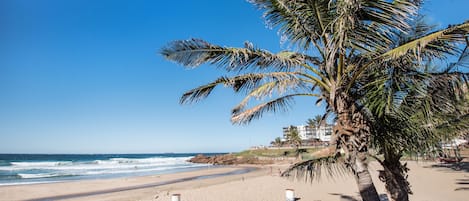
(277, 142)
(315, 122)
(278, 152)
(294, 139)
(371, 62)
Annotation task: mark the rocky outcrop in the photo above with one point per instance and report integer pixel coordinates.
(227, 159)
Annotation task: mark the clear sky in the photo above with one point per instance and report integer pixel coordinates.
(84, 76)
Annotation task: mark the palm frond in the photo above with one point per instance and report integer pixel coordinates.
(280, 104)
(244, 82)
(289, 83)
(268, 89)
(437, 47)
(201, 92)
(463, 60)
(453, 33)
(446, 91)
(194, 52)
(453, 126)
(314, 169)
(394, 14)
(302, 21)
(422, 99)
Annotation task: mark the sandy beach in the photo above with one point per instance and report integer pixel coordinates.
(430, 182)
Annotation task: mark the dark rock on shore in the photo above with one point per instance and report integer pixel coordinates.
(227, 159)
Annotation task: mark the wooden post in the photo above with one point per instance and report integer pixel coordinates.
(290, 195)
(176, 197)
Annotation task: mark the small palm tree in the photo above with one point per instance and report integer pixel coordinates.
(310, 123)
(293, 137)
(315, 122)
(404, 99)
(405, 127)
(278, 142)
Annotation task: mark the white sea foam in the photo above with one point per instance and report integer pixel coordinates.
(42, 164)
(112, 166)
(43, 175)
(26, 183)
(113, 163)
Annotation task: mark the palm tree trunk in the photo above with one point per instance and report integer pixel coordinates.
(394, 176)
(352, 133)
(365, 184)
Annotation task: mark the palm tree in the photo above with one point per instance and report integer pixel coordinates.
(406, 102)
(278, 141)
(311, 123)
(293, 137)
(406, 128)
(455, 124)
(315, 122)
(347, 39)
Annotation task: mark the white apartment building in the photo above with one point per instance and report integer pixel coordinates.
(304, 132)
(322, 133)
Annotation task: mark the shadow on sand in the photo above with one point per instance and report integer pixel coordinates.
(462, 184)
(459, 166)
(382, 197)
(345, 197)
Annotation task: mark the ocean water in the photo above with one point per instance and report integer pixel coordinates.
(17, 169)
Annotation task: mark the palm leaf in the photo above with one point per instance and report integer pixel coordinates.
(454, 33)
(463, 60)
(302, 21)
(281, 84)
(314, 169)
(194, 52)
(268, 89)
(394, 14)
(280, 104)
(245, 82)
(409, 51)
(201, 92)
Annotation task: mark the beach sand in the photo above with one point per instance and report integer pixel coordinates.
(429, 183)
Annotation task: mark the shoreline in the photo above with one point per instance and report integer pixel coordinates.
(104, 176)
(142, 186)
(430, 182)
(87, 188)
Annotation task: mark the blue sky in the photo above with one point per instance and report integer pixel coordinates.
(84, 76)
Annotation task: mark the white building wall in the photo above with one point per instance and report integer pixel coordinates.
(322, 133)
(305, 132)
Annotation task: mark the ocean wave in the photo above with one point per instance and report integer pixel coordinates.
(86, 172)
(26, 183)
(9, 176)
(153, 160)
(44, 175)
(54, 170)
(4, 163)
(42, 164)
(112, 164)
